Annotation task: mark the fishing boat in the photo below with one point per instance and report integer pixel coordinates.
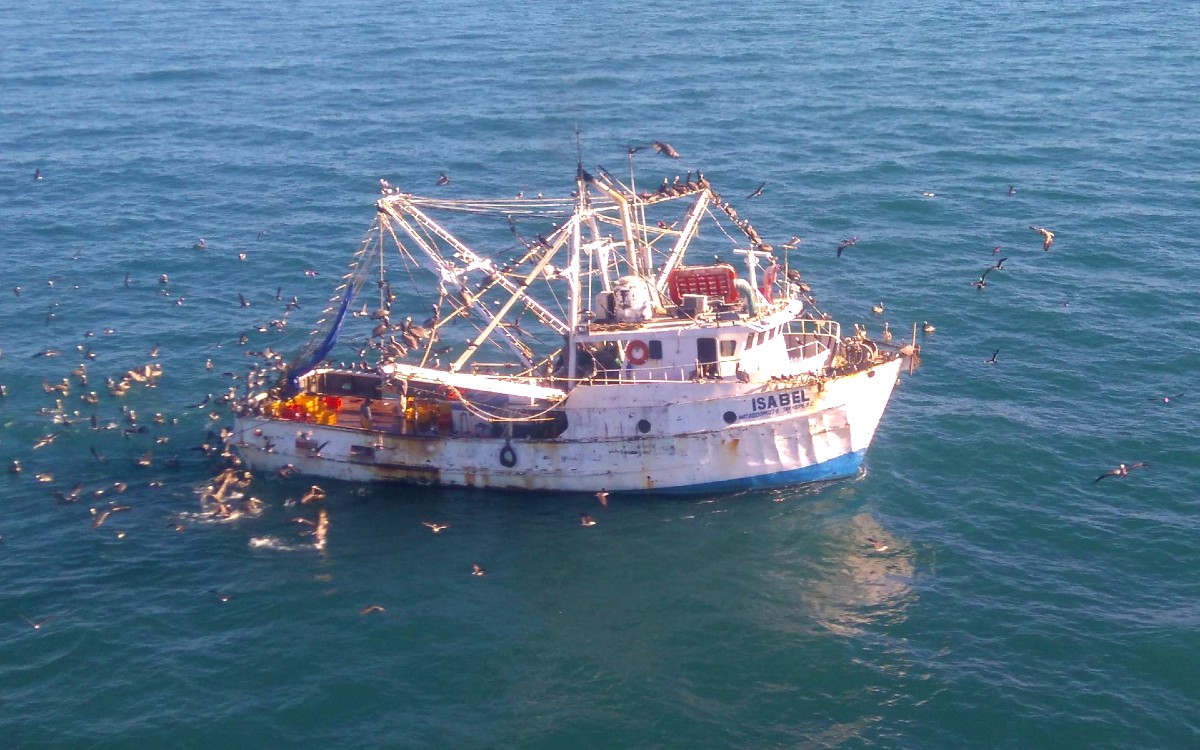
(588, 351)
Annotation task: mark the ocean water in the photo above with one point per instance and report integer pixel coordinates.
(1019, 604)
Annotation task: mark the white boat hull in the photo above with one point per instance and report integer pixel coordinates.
(622, 438)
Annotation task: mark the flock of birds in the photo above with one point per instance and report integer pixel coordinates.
(1047, 237)
(227, 496)
(109, 408)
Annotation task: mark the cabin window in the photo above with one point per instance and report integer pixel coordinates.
(655, 349)
(762, 336)
(728, 348)
(750, 339)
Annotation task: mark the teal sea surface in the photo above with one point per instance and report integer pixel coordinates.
(1018, 603)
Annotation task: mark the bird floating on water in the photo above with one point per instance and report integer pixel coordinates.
(443, 179)
(927, 328)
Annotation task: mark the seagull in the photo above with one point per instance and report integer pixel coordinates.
(1166, 399)
(314, 493)
(200, 244)
(436, 528)
(220, 596)
(665, 149)
(887, 333)
(66, 498)
(793, 243)
(983, 279)
(47, 440)
(845, 244)
(1000, 264)
(992, 361)
(1047, 236)
(100, 517)
(927, 327)
(242, 300)
(1121, 471)
(878, 545)
(36, 625)
(370, 609)
(443, 179)
(477, 569)
(1012, 189)
(37, 174)
(878, 309)
(757, 191)
(586, 520)
(996, 250)
(602, 496)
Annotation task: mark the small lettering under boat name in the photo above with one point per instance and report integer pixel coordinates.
(776, 403)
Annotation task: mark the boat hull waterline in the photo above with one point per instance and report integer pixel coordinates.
(824, 440)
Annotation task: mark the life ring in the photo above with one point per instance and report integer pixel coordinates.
(637, 352)
(508, 456)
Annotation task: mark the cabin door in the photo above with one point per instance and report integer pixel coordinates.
(706, 357)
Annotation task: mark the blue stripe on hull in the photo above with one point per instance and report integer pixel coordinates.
(834, 468)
